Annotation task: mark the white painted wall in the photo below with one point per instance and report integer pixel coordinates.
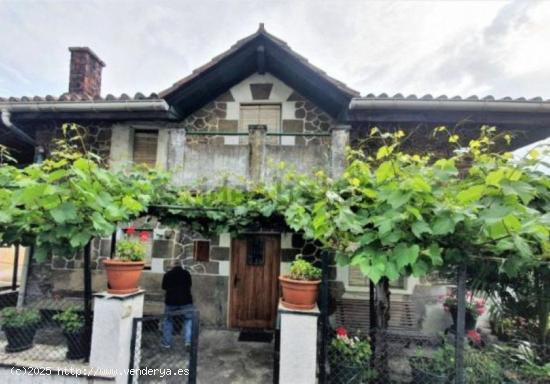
(298, 353)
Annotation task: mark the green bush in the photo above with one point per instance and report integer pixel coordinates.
(352, 350)
(301, 269)
(440, 363)
(19, 317)
(480, 365)
(70, 320)
(130, 250)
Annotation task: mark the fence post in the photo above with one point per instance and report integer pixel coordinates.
(324, 304)
(15, 268)
(460, 324)
(299, 332)
(87, 299)
(113, 332)
(194, 348)
(133, 361)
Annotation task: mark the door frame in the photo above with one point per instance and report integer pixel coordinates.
(231, 321)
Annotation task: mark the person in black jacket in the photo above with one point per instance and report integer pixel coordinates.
(177, 284)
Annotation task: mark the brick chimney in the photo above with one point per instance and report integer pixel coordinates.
(85, 72)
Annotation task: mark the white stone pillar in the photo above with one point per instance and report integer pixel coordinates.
(339, 142)
(298, 350)
(112, 331)
(256, 142)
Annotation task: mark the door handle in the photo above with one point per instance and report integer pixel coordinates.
(235, 281)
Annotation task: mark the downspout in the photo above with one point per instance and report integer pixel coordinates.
(6, 120)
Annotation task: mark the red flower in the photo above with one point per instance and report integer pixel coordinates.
(474, 336)
(341, 331)
(130, 230)
(144, 236)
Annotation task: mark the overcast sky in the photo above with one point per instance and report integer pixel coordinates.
(454, 48)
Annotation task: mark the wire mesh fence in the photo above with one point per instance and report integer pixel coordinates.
(165, 347)
(423, 341)
(42, 331)
(401, 357)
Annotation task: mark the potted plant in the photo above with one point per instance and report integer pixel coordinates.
(349, 358)
(19, 325)
(72, 323)
(474, 308)
(437, 368)
(124, 271)
(301, 286)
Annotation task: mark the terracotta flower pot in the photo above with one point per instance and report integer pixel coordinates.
(299, 294)
(123, 276)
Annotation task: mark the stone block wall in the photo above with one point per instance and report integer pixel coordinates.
(304, 117)
(97, 137)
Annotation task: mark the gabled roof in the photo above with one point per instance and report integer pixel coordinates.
(260, 52)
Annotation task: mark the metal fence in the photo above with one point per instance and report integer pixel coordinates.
(413, 358)
(353, 351)
(152, 359)
(42, 332)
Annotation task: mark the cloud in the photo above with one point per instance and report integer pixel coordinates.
(408, 47)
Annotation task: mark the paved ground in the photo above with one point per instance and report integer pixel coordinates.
(222, 359)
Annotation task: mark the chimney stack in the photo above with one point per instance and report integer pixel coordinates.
(85, 72)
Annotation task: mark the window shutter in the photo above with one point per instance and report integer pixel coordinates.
(145, 147)
(268, 114)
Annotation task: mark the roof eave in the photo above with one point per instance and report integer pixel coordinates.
(449, 105)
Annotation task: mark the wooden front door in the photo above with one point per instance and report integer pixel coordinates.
(254, 288)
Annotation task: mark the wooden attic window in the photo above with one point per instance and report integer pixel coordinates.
(145, 147)
(201, 250)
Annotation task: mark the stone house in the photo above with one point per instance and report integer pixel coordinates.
(252, 106)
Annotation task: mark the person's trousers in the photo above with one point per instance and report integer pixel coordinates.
(168, 324)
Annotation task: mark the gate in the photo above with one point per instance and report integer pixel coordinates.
(151, 362)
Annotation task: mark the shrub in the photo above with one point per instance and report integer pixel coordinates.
(351, 350)
(440, 363)
(301, 269)
(19, 317)
(130, 250)
(70, 320)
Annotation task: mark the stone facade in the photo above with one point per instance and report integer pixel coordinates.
(200, 156)
(299, 115)
(97, 137)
